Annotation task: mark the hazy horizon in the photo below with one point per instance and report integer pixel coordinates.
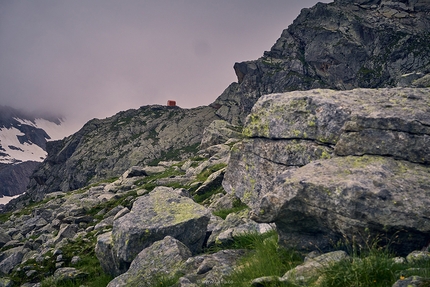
(91, 59)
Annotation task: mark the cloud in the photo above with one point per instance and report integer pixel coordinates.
(87, 59)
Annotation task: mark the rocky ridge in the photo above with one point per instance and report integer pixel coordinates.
(341, 45)
(106, 148)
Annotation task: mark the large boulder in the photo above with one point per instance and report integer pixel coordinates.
(161, 213)
(292, 129)
(323, 164)
(163, 259)
(320, 203)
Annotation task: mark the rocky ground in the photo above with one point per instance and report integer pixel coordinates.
(166, 219)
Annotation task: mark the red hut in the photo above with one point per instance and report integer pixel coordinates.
(171, 103)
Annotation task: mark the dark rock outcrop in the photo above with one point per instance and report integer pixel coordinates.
(323, 165)
(14, 178)
(22, 147)
(342, 45)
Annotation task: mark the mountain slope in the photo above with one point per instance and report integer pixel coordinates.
(106, 148)
(342, 45)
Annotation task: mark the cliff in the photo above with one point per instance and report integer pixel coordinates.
(341, 45)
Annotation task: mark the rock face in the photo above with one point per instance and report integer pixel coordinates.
(161, 213)
(106, 148)
(342, 45)
(323, 164)
(15, 177)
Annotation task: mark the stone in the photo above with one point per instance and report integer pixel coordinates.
(6, 282)
(310, 268)
(134, 171)
(344, 196)
(65, 274)
(219, 150)
(156, 215)
(219, 132)
(106, 256)
(105, 223)
(220, 202)
(235, 224)
(75, 260)
(413, 281)
(416, 256)
(423, 82)
(210, 269)
(164, 258)
(121, 213)
(213, 181)
(66, 231)
(255, 163)
(11, 258)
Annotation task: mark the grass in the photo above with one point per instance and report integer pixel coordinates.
(372, 268)
(375, 266)
(84, 247)
(124, 200)
(209, 170)
(265, 259)
(368, 266)
(200, 198)
(237, 206)
(150, 182)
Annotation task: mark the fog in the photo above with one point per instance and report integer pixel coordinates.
(89, 59)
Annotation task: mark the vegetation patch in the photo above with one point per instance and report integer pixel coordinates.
(265, 259)
(237, 206)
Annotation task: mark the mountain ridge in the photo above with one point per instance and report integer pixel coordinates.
(340, 45)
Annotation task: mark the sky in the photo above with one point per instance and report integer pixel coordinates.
(88, 59)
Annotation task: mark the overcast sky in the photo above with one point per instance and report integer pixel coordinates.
(92, 58)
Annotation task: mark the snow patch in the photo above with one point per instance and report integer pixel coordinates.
(6, 199)
(19, 152)
(54, 130)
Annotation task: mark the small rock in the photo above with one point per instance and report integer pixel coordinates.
(413, 281)
(75, 260)
(68, 273)
(30, 273)
(416, 256)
